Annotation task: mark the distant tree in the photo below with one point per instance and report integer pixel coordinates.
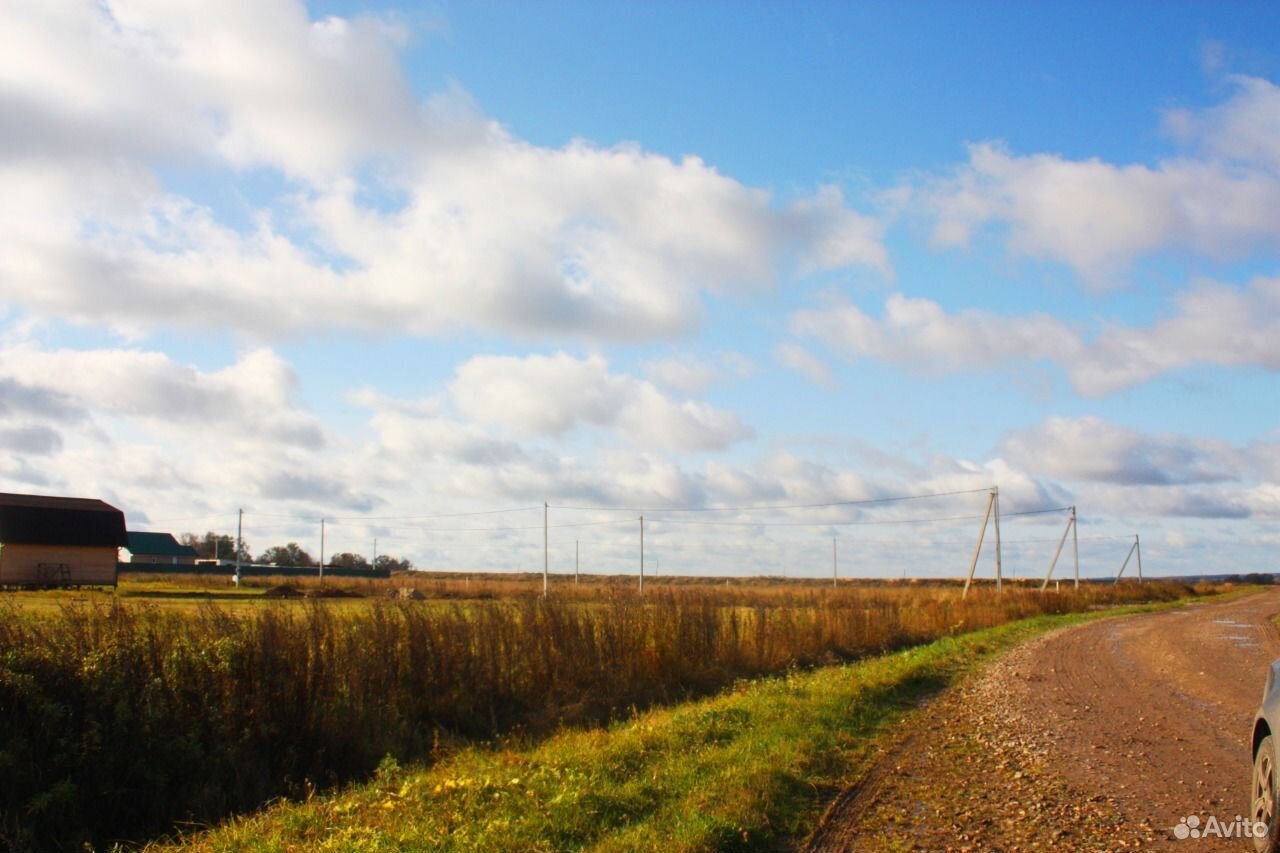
(385, 561)
(347, 560)
(287, 556)
(215, 546)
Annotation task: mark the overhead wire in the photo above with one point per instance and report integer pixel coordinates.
(771, 507)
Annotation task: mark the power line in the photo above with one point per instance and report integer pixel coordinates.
(517, 527)
(816, 523)
(861, 502)
(1036, 511)
(400, 517)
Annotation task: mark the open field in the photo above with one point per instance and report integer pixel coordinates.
(751, 769)
(114, 700)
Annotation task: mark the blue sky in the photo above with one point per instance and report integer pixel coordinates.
(359, 261)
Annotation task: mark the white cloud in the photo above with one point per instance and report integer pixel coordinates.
(550, 395)
(1243, 129)
(1211, 324)
(254, 396)
(1098, 216)
(1091, 450)
(921, 334)
(418, 216)
(694, 375)
(687, 374)
(797, 358)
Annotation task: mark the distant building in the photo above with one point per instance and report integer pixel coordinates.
(159, 548)
(51, 541)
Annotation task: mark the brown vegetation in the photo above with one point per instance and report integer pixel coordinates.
(124, 718)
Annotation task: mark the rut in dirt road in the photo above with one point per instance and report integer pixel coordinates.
(1098, 737)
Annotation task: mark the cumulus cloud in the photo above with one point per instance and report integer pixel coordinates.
(252, 396)
(920, 333)
(1093, 450)
(795, 357)
(1243, 129)
(691, 375)
(418, 215)
(1211, 324)
(694, 375)
(550, 395)
(1098, 216)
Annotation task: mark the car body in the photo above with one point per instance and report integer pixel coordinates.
(1265, 746)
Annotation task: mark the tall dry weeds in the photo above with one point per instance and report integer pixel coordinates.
(118, 720)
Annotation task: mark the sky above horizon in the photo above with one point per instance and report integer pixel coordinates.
(390, 265)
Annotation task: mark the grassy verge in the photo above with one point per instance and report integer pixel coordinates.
(747, 770)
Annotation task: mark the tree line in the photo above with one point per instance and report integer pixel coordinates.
(220, 546)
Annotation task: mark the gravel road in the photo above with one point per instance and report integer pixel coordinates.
(1099, 737)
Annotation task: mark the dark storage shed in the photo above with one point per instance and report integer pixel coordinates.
(53, 541)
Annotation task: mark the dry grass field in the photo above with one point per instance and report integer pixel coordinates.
(164, 702)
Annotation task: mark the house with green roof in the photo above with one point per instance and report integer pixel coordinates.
(159, 549)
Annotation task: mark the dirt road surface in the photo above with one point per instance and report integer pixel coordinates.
(1099, 737)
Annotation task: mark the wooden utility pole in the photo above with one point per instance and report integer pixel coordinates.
(1127, 557)
(546, 551)
(977, 549)
(995, 496)
(239, 543)
(322, 550)
(374, 564)
(835, 566)
(1075, 544)
(642, 555)
(575, 561)
(1137, 547)
(1058, 553)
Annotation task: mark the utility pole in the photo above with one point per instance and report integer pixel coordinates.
(1127, 557)
(835, 573)
(374, 564)
(546, 553)
(642, 555)
(575, 562)
(1075, 544)
(995, 494)
(977, 549)
(1137, 546)
(1057, 553)
(239, 543)
(322, 550)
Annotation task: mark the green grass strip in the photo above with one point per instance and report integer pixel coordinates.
(750, 769)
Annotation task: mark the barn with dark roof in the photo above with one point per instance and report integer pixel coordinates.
(55, 541)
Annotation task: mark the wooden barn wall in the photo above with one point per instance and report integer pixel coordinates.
(20, 564)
